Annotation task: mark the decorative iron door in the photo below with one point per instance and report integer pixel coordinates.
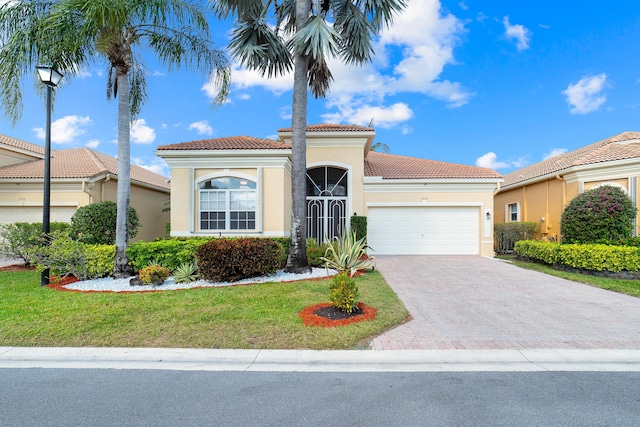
(327, 201)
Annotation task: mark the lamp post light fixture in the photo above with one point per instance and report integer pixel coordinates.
(51, 78)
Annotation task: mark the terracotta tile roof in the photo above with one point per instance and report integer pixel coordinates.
(79, 163)
(625, 145)
(229, 143)
(23, 145)
(390, 166)
(331, 127)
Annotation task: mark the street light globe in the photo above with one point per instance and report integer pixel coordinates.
(49, 75)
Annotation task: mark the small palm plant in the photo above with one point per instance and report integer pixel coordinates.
(346, 253)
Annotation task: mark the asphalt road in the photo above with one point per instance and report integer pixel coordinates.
(90, 397)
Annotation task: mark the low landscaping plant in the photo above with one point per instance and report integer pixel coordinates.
(65, 256)
(359, 226)
(507, 234)
(222, 260)
(344, 293)
(171, 253)
(346, 253)
(186, 273)
(154, 275)
(17, 240)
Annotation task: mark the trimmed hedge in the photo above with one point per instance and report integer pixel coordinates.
(594, 257)
(170, 253)
(359, 226)
(229, 260)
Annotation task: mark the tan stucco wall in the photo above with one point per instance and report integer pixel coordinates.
(273, 200)
(452, 197)
(547, 199)
(352, 157)
(147, 202)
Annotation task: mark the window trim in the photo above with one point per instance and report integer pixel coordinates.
(507, 212)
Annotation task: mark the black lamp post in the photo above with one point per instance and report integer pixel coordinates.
(51, 78)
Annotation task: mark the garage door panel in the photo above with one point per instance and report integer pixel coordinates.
(11, 214)
(424, 230)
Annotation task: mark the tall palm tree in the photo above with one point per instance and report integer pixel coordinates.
(74, 34)
(275, 36)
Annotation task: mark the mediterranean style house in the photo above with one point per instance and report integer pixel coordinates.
(539, 192)
(79, 176)
(242, 186)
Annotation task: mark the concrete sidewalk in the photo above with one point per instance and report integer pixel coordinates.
(320, 361)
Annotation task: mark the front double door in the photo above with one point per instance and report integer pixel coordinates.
(327, 202)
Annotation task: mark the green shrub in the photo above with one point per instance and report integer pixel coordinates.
(283, 243)
(359, 226)
(315, 252)
(507, 234)
(346, 253)
(96, 223)
(344, 293)
(19, 238)
(154, 275)
(599, 215)
(186, 273)
(594, 257)
(65, 256)
(222, 260)
(171, 253)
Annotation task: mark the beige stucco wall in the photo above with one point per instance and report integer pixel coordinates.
(547, 199)
(274, 199)
(447, 195)
(67, 197)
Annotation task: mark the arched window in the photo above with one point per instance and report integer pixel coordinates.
(227, 203)
(327, 199)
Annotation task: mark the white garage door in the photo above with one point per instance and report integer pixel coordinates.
(423, 230)
(13, 214)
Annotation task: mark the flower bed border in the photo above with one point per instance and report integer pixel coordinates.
(309, 318)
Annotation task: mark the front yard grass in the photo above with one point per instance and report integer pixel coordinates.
(629, 287)
(260, 316)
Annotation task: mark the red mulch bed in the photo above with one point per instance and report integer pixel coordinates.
(326, 315)
(16, 267)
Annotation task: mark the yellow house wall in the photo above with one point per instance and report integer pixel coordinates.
(352, 157)
(504, 198)
(484, 199)
(624, 182)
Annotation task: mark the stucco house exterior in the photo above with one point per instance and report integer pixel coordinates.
(242, 186)
(540, 192)
(79, 176)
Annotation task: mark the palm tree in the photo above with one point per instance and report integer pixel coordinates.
(74, 34)
(275, 36)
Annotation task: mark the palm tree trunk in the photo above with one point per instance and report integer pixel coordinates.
(297, 260)
(121, 267)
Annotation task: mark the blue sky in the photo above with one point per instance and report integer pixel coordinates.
(499, 84)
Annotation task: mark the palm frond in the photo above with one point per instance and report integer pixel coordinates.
(258, 47)
(319, 77)
(316, 39)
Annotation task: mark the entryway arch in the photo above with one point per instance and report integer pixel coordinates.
(327, 201)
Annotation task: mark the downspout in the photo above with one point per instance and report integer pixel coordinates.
(87, 190)
(497, 190)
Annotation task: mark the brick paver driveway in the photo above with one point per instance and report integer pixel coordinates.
(471, 302)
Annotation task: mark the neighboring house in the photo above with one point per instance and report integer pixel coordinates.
(79, 176)
(242, 186)
(539, 192)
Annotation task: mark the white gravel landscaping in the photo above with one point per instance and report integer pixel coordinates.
(109, 284)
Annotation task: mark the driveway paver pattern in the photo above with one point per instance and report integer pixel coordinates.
(472, 302)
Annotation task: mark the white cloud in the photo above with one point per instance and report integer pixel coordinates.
(555, 152)
(285, 112)
(243, 96)
(423, 37)
(141, 133)
(384, 117)
(202, 127)
(518, 32)
(490, 160)
(154, 164)
(94, 143)
(66, 129)
(586, 95)
(463, 6)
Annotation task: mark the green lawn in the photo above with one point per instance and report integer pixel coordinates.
(261, 316)
(629, 287)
